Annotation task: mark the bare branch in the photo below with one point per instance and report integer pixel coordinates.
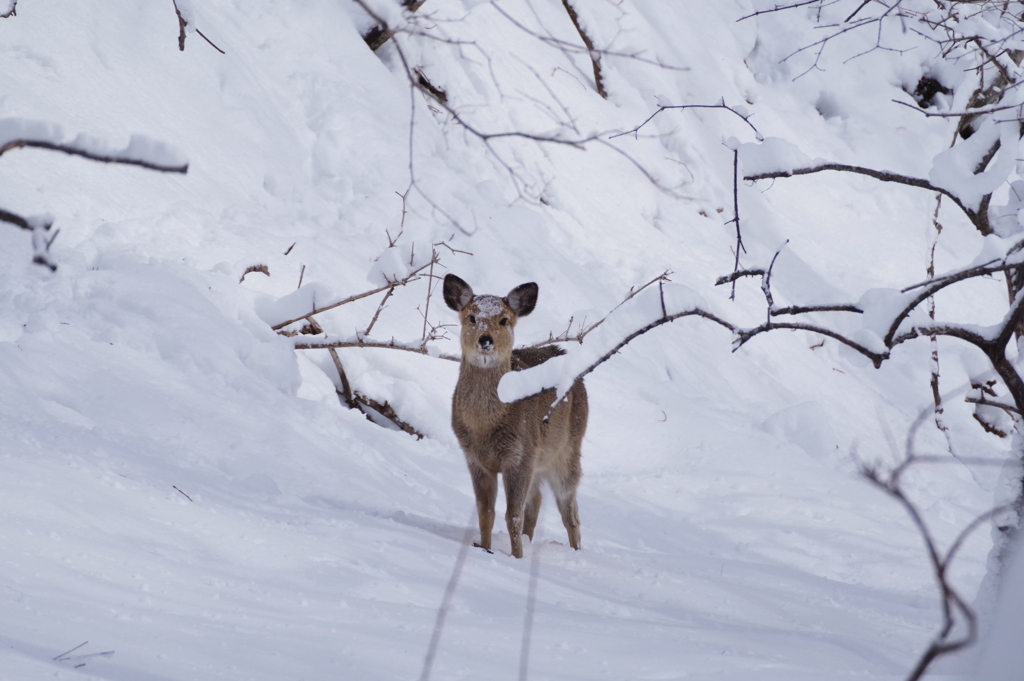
(254, 268)
(954, 607)
(595, 57)
(960, 114)
(778, 8)
(418, 348)
(182, 23)
(412, 276)
(584, 329)
(740, 248)
(720, 105)
(664, 319)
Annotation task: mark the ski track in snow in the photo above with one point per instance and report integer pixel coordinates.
(181, 487)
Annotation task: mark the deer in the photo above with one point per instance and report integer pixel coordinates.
(520, 440)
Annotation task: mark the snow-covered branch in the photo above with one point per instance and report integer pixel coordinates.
(621, 326)
(882, 175)
(42, 237)
(141, 151)
(12, 9)
(16, 133)
(186, 18)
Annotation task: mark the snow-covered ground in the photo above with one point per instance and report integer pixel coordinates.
(183, 491)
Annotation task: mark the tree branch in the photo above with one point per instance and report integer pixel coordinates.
(978, 218)
(418, 348)
(182, 23)
(412, 276)
(117, 157)
(595, 57)
(720, 105)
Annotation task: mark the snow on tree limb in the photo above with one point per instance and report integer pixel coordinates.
(16, 133)
(627, 322)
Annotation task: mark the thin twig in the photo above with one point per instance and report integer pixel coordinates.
(412, 276)
(64, 655)
(567, 336)
(720, 105)
(998, 405)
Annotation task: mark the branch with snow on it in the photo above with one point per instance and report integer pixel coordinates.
(890, 317)
(186, 24)
(642, 313)
(952, 173)
(16, 133)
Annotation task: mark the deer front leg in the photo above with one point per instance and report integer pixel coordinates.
(485, 487)
(517, 487)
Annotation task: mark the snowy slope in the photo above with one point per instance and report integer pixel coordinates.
(182, 488)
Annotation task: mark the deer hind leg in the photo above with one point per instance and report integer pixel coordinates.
(532, 508)
(564, 488)
(485, 487)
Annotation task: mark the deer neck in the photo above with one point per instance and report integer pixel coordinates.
(477, 393)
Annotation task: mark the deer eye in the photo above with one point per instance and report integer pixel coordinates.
(504, 321)
(472, 319)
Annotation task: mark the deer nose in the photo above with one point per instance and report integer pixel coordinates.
(486, 342)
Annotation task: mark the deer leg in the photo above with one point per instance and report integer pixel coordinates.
(517, 485)
(485, 487)
(532, 508)
(565, 497)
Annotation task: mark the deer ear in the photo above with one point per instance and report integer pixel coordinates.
(522, 299)
(457, 293)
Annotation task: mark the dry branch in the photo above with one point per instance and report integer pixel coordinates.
(182, 24)
(392, 344)
(720, 105)
(254, 268)
(381, 33)
(584, 328)
(954, 607)
(595, 56)
(412, 276)
(356, 400)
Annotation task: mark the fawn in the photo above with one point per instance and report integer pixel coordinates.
(512, 439)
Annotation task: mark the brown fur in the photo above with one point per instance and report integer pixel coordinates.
(512, 439)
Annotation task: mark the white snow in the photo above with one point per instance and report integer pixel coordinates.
(181, 488)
